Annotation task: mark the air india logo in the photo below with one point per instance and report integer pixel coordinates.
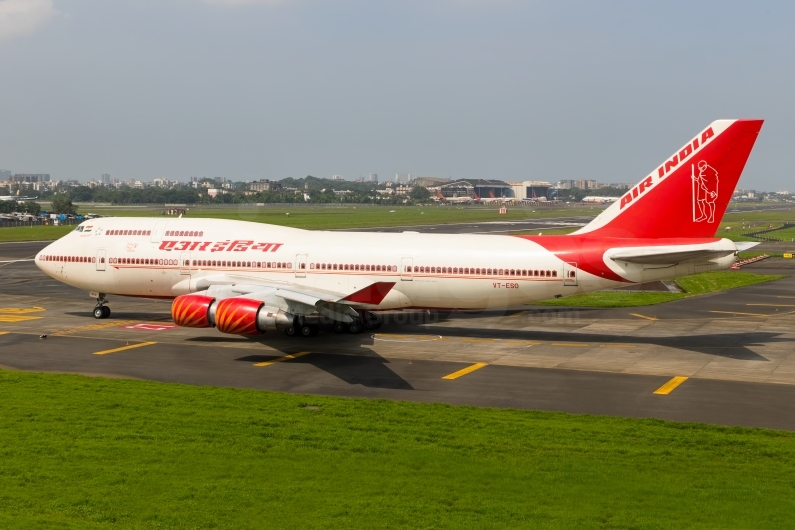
(705, 191)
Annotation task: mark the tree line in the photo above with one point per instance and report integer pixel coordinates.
(289, 190)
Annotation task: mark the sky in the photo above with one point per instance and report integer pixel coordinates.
(501, 89)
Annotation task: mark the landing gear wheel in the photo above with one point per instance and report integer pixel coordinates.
(99, 312)
(371, 320)
(355, 327)
(106, 311)
(291, 331)
(308, 330)
(339, 327)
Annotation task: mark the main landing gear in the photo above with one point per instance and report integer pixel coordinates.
(367, 321)
(308, 328)
(101, 310)
(302, 328)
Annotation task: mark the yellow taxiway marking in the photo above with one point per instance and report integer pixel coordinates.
(93, 327)
(576, 344)
(669, 387)
(285, 358)
(20, 310)
(521, 342)
(128, 347)
(11, 319)
(3, 333)
(643, 316)
(12, 315)
(465, 371)
(617, 346)
(774, 305)
(745, 314)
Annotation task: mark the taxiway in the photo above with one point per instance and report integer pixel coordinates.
(726, 358)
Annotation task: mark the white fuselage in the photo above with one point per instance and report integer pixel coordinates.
(151, 257)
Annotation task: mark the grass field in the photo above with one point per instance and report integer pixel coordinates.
(34, 233)
(321, 218)
(753, 221)
(787, 234)
(696, 284)
(95, 453)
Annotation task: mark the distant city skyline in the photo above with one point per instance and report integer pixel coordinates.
(275, 89)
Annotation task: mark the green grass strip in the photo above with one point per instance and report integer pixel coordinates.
(322, 218)
(78, 452)
(696, 284)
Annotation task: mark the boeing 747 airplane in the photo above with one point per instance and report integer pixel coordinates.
(249, 278)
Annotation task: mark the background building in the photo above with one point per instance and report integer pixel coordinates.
(30, 177)
(485, 189)
(530, 189)
(429, 182)
(373, 177)
(264, 185)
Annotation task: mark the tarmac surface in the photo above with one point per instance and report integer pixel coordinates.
(726, 358)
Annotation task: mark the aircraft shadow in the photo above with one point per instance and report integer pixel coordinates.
(728, 345)
(369, 371)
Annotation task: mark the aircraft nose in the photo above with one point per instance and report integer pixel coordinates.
(42, 256)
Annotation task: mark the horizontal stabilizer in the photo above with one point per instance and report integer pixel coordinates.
(669, 258)
(745, 245)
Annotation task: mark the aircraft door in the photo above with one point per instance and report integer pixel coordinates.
(159, 230)
(300, 265)
(100, 260)
(184, 263)
(570, 274)
(406, 269)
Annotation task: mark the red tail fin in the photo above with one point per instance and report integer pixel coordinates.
(687, 195)
(439, 195)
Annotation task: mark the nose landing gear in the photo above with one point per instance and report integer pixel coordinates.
(101, 310)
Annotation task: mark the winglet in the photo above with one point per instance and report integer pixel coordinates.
(372, 294)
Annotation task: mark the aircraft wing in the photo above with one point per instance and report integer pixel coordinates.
(295, 298)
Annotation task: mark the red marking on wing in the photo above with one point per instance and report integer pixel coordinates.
(372, 294)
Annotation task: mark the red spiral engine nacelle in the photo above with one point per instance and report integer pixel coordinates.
(238, 316)
(244, 316)
(192, 311)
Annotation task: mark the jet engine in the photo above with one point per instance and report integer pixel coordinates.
(243, 316)
(193, 311)
(238, 316)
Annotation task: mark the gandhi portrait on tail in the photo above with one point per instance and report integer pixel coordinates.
(705, 192)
